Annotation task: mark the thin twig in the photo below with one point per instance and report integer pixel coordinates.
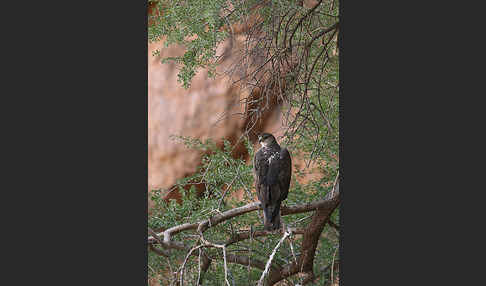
(332, 265)
(269, 262)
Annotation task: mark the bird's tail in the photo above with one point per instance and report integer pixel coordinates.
(271, 217)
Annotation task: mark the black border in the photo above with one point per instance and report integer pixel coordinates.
(75, 115)
(75, 175)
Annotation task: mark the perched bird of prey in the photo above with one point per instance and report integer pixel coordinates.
(272, 169)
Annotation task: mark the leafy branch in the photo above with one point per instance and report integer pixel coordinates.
(302, 263)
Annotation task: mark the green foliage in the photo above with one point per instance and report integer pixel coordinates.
(217, 169)
(194, 24)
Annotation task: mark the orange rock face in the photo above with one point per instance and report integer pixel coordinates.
(173, 110)
(208, 109)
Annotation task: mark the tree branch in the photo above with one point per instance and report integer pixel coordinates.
(203, 268)
(304, 262)
(158, 251)
(269, 262)
(309, 241)
(246, 235)
(285, 210)
(332, 224)
(243, 260)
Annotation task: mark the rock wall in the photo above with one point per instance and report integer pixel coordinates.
(208, 109)
(174, 110)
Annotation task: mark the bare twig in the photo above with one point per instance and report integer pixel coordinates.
(269, 262)
(292, 249)
(225, 266)
(184, 263)
(332, 265)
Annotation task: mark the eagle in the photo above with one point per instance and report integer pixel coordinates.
(272, 170)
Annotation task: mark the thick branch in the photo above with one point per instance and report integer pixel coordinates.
(227, 215)
(243, 260)
(246, 235)
(158, 251)
(285, 210)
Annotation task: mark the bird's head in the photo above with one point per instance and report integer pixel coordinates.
(266, 139)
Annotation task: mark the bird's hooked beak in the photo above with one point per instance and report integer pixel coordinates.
(261, 141)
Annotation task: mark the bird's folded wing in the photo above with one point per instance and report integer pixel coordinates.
(285, 172)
